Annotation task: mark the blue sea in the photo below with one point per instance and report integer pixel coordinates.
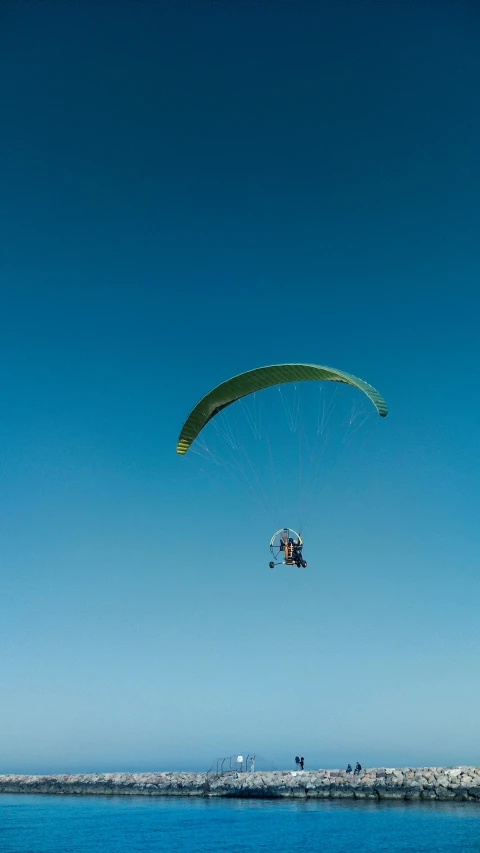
(56, 824)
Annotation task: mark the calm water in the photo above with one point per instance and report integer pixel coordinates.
(48, 824)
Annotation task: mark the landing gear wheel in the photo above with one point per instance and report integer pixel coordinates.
(304, 564)
(272, 565)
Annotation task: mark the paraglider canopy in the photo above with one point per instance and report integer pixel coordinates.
(264, 377)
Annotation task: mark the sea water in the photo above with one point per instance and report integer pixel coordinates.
(67, 824)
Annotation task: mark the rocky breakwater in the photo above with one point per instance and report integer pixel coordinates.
(407, 783)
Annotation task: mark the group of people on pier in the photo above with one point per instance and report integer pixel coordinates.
(300, 763)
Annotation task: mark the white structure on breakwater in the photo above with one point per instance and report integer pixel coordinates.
(407, 783)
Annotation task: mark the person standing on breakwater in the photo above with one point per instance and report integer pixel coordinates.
(297, 761)
(349, 768)
(302, 762)
(358, 767)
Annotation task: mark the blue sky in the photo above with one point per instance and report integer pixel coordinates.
(176, 176)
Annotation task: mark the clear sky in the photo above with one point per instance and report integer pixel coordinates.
(176, 178)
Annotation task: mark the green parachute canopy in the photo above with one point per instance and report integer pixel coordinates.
(263, 377)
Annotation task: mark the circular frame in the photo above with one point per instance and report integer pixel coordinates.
(288, 533)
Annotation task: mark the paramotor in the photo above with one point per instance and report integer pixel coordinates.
(286, 547)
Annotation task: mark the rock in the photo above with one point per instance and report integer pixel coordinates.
(428, 783)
